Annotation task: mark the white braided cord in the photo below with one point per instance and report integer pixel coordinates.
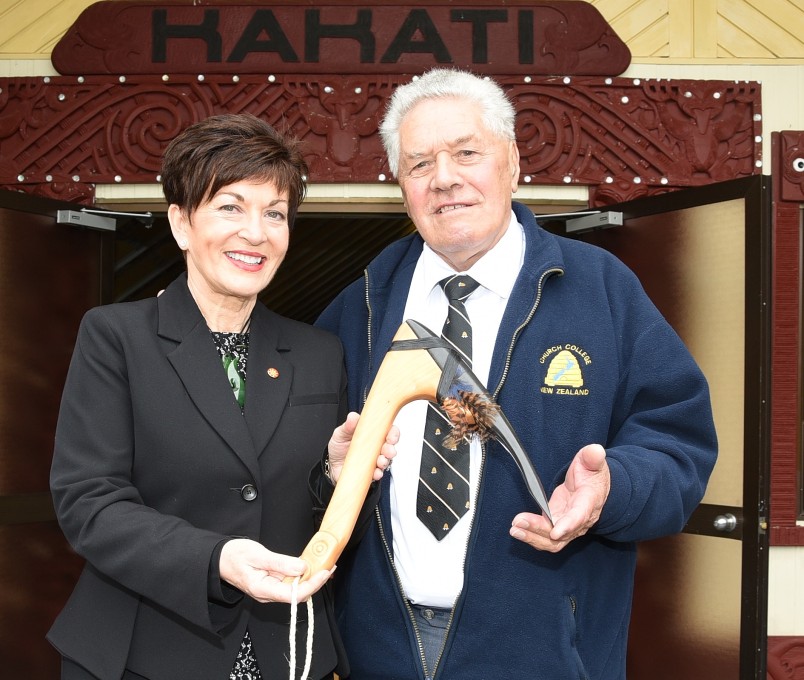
(310, 628)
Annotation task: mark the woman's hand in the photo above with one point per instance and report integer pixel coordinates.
(339, 445)
(259, 573)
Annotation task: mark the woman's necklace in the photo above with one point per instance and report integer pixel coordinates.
(233, 349)
(243, 333)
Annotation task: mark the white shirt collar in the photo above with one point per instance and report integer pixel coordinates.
(496, 271)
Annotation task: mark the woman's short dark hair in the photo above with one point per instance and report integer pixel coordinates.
(222, 150)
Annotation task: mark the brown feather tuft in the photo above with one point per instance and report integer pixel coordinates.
(470, 414)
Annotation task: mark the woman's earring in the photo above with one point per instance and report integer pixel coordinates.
(183, 244)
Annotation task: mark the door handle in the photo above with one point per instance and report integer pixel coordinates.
(725, 523)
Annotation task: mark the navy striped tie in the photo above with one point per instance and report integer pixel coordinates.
(443, 496)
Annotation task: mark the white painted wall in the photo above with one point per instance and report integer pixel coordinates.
(786, 591)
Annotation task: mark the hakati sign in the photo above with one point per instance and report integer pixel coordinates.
(563, 37)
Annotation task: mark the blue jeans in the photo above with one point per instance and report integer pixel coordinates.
(432, 623)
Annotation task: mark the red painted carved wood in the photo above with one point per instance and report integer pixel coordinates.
(339, 36)
(788, 190)
(624, 138)
(785, 658)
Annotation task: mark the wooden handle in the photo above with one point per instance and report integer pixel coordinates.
(403, 376)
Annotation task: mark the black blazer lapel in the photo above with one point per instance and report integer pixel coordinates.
(269, 378)
(198, 365)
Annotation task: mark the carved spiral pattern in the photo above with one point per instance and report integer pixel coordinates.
(614, 135)
(541, 134)
(319, 547)
(147, 117)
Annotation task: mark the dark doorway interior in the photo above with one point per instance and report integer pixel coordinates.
(326, 253)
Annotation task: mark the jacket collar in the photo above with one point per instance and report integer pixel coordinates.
(389, 275)
(388, 280)
(197, 362)
(394, 266)
(270, 375)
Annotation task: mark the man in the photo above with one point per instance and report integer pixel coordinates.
(602, 393)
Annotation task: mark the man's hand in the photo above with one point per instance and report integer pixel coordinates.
(259, 573)
(575, 505)
(339, 445)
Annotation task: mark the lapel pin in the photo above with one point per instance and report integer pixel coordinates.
(272, 372)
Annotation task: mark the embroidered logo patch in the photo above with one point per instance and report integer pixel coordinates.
(565, 366)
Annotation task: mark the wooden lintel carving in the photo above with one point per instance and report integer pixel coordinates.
(789, 154)
(623, 138)
(785, 657)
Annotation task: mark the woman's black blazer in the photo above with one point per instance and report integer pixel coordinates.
(154, 465)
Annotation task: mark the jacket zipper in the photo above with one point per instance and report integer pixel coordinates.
(401, 591)
(383, 537)
(507, 366)
(480, 473)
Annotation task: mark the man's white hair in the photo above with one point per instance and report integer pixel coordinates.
(497, 111)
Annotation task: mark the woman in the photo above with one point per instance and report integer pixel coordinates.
(188, 428)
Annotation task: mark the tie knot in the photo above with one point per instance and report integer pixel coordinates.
(458, 287)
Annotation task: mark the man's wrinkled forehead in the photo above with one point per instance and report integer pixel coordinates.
(423, 148)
